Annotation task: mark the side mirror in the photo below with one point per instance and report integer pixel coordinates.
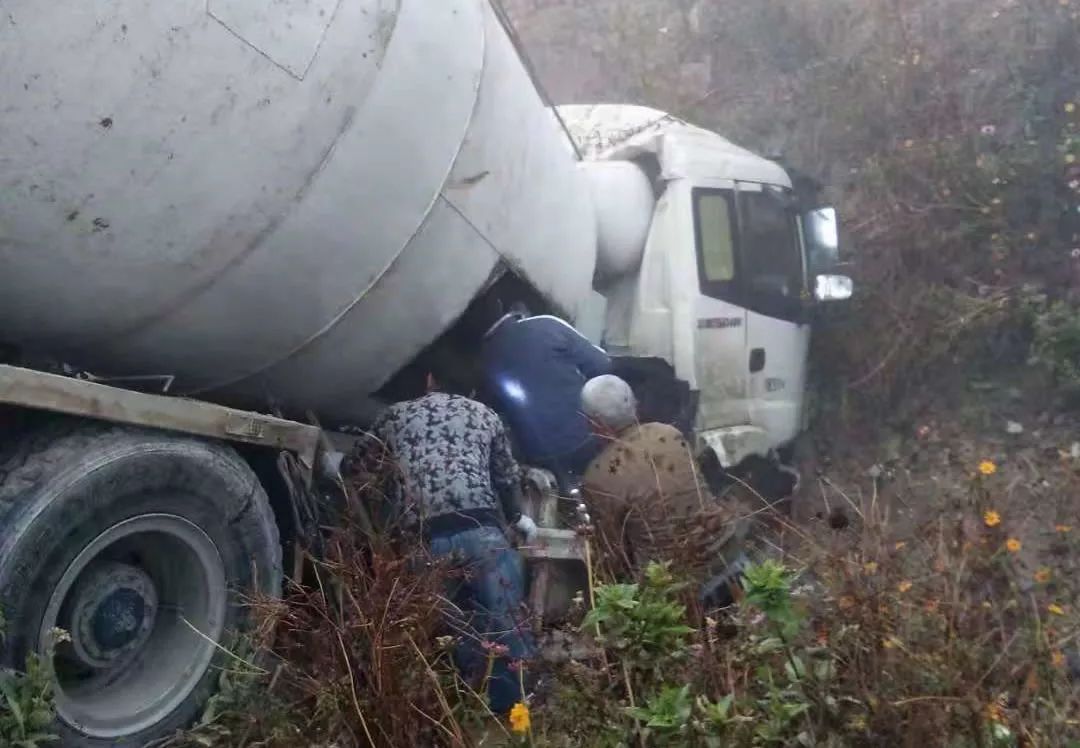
(833, 288)
(821, 233)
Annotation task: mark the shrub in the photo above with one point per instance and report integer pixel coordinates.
(947, 132)
(1057, 343)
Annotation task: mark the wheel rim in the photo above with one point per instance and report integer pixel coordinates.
(144, 605)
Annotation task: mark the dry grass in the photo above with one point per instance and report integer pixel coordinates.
(357, 655)
(930, 634)
(935, 630)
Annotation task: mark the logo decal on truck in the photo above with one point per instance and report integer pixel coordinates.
(718, 323)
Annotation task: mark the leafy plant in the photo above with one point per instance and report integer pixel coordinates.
(644, 624)
(717, 713)
(666, 716)
(781, 707)
(768, 587)
(26, 706)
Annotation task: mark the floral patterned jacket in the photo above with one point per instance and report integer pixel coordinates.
(443, 455)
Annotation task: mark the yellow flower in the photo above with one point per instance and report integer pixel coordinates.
(870, 567)
(1070, 107)
(1070, 158)
(1057, 658)
(1013, 545)
(987, 467)
(1063, 528)
(1042, 576)
(904, 586)
(991, 518)
(519, 718)
(1056, 609)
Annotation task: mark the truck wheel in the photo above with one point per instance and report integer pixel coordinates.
(139, 545)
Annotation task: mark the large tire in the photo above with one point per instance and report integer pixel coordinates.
(128, 539)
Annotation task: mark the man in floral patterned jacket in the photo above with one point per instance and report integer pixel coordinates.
(454, 481)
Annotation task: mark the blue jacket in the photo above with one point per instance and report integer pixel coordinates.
(534, 369)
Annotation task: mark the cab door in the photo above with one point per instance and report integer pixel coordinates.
(720, 321)
(773, 290)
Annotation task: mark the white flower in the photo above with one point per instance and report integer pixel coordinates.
(987, 129)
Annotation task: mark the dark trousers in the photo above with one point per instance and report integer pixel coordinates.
(490, 595)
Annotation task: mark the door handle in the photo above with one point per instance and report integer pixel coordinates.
(757, 360)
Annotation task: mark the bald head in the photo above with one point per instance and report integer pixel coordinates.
(610, 402)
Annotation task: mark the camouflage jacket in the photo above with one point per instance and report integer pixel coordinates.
(442, 455)
(649, 504)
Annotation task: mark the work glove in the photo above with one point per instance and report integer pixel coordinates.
(330, 463)
(526, 527)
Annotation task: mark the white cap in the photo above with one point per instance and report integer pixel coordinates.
(610, 402)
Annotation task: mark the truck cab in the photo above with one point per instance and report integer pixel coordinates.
(730, 268)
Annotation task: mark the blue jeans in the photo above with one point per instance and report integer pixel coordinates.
(490, 595)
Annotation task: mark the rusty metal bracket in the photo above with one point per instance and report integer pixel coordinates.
(552, 549)
(552, 544)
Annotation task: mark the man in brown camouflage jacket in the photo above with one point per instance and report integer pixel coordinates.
(647, 498)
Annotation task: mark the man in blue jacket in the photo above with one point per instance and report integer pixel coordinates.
(533, 371)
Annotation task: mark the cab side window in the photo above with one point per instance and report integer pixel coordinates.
(748, 251)
(714, 231)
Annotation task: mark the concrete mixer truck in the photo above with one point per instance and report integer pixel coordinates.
(221, 220)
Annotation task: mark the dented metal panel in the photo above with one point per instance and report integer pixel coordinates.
(627, 131)
(734, 444)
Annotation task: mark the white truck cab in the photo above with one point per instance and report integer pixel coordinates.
(727, 270)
